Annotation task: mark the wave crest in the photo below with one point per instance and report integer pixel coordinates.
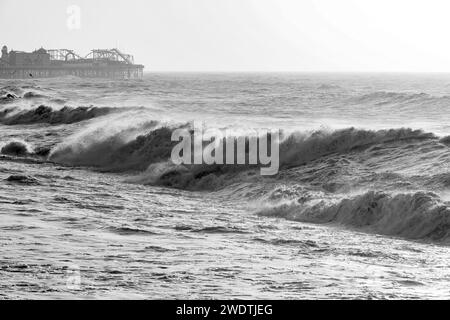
(139, 146)
(420, 215)
(45, 114)
(122, 148)
(16, 148)
(300, 148)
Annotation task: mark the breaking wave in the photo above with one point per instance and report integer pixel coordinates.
(10, 93)
(419, 215)
(353, 177)
(45, 114)
(146, 147)
(117, 144)
(300, 148)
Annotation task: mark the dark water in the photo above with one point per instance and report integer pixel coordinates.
(91, 206)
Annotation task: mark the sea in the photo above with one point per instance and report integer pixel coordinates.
(92, 207)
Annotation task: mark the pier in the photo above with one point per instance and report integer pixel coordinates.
(99, 63)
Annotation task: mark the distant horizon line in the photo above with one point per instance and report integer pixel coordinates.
(295, 71)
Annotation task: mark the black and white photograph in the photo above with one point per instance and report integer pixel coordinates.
(224, 150)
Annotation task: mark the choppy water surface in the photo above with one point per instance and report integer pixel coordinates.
(91, 207)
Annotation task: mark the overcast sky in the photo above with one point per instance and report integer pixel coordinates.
(243, 35)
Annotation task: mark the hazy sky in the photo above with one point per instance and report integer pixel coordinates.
(243, 35)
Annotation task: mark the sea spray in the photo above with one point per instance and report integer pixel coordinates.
(419, 215)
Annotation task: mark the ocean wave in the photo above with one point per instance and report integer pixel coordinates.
(45, 114)
(149, 153)
(12, 93)
(129, 231)
(21, 179)
(437, 181)
(218, 229)
(117, 144)
(18, 148)
(445, 140)
(192, 177)
(301, 148)
(11, 90)
(34, 95)
(380, 98)
(7, 97)
(419, 215)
